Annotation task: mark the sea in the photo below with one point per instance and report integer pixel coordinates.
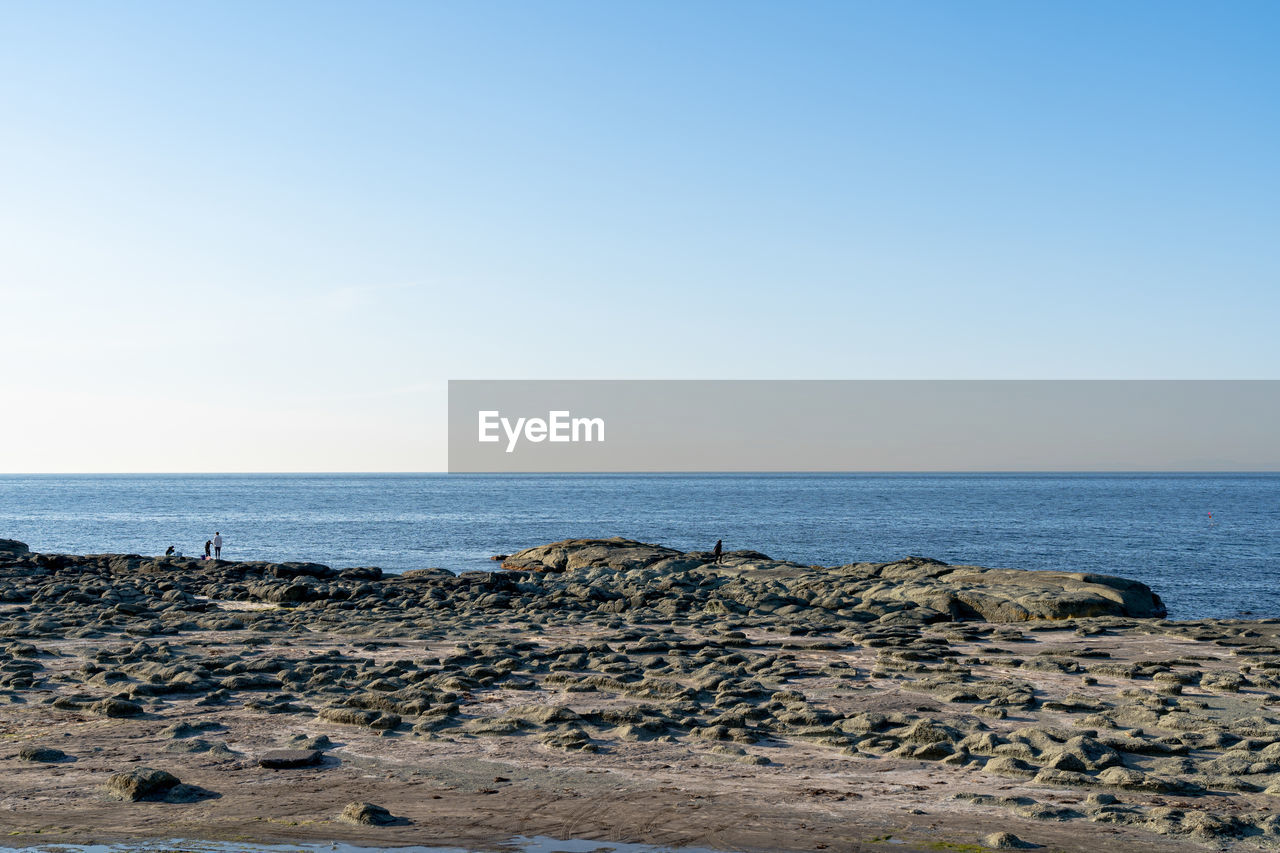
(1209, 544)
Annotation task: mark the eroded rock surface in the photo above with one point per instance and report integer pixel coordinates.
(634, 692)
(750, 580)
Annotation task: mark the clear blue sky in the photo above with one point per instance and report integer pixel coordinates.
(261, 236)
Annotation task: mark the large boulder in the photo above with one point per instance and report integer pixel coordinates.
(42, 754)
(368, 814)
(13, 548)
(616, 553)
(147, 783)
(1059, 595)
(144, 783)
(1016, 595)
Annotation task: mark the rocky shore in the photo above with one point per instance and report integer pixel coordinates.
(615, 690)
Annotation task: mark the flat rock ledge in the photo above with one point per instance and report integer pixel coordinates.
(936, 591)
(287, 759)
(606, 576)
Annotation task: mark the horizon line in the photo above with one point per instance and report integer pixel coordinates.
(736, 472)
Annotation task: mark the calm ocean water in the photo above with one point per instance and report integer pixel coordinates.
(1156, 528)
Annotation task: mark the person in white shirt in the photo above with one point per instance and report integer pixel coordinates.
(217, 545)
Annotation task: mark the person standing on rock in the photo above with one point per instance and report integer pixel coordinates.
(718, 551)
(208, 543)
(217, 545)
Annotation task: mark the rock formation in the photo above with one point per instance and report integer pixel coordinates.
(932, 589)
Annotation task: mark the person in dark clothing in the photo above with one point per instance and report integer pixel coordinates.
(718, 550)
(168, 552)
(208, 548)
